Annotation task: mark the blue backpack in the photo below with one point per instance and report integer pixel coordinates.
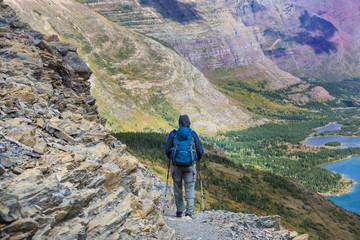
(183, 152)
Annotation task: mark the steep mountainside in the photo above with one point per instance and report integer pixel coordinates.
(139, 82)
(316, 40)
(313, 39)
(214, 36)
(207, 34)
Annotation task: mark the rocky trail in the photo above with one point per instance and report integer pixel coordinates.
(214, 225)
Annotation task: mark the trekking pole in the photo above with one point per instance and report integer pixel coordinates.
(167, 181)
(201, 187)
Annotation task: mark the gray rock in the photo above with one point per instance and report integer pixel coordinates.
(77, 65)
(2, 170)
(33, 155)
(2, 147)
(7, 162)
(91, 101)
(7, 218)
(17, 170)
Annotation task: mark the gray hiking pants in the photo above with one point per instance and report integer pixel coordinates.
(188, 174)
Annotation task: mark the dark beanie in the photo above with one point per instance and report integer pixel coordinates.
(184, 121)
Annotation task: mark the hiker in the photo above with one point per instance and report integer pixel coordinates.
(183, 147)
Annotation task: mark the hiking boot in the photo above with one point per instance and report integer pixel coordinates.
(178, 214)
(188, 215)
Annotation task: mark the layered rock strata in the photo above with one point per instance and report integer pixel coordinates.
(211, 37)
(63, 176)
(220, 38)
(311, 39)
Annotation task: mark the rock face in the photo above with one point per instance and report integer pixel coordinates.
(62, 175)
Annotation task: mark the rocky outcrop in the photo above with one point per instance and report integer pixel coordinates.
(62, 175)
(72, 69)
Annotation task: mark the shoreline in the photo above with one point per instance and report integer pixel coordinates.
(343, 179)
(339, 160)
(343, 191)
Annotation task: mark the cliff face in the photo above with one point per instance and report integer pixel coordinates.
(139, 82)
(62, 175)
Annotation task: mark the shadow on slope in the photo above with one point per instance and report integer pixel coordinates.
(173, 9)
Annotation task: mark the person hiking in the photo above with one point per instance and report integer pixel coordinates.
(183, 147)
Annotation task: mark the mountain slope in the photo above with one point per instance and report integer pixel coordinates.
(212, 36)
(233, 187)
(310, 39)
(139, 83)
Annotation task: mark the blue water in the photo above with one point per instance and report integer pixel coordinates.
(330, 127)
(351, 169)
(346, 142)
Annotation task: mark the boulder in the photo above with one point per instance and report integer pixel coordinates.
(17, 170)
(7, 162)
(21, 225)
(7, 218)
(75, 64)
(2, 170)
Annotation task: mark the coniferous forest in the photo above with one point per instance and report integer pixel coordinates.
(273, 147)
(277, 148)
(229, 185)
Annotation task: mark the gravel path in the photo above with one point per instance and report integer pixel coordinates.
(226, 225)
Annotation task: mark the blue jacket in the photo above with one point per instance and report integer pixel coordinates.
(184, 121)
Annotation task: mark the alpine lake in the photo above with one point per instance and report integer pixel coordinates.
(350, 168)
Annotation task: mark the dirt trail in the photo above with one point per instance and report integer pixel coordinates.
(226, 225)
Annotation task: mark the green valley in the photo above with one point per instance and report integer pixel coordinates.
(235, 187)
(277, 148)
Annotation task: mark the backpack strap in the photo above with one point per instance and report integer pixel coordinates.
(174, 147)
